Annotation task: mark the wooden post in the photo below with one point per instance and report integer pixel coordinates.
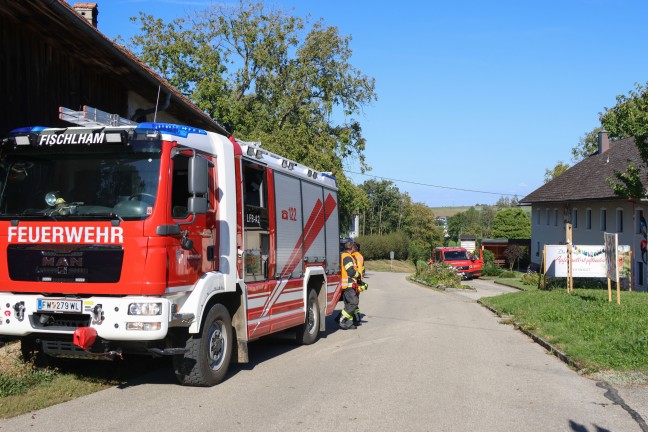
(618, 286)
(609, 290)
(542, 270)
(570, 275)
(544, 266)
(631, 281)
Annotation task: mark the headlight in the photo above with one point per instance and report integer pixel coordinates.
(145, 309)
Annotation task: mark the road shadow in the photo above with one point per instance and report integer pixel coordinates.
(138, 370)
(577, 427)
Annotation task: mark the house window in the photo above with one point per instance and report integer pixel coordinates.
(619, 220)
(537, 216)
(537, 248)
(588, 219)
(574, 220)
(638, 218)
(640, 273)
(603, 220)
(548, 217)
(555, 217)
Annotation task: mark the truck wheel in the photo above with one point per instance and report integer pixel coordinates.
(208, 353)
(307, 332)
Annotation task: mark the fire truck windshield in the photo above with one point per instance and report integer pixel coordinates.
(455, 255)
(95, 182)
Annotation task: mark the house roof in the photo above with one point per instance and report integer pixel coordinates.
(587, 180)
(58, 23)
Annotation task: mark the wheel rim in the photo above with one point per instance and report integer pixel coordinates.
(311, 320)
(217, 345)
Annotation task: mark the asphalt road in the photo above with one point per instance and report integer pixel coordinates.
(423, 360)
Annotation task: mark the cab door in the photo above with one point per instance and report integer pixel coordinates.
(257, 253)
(191, 253)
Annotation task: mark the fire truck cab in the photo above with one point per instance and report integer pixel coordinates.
(160, 239)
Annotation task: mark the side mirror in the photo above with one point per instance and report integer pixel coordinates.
(198, 185)
(198, 175)
(197, 205)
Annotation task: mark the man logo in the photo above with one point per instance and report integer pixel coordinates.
(62, 262)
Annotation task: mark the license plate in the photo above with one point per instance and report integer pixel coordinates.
(59, 305)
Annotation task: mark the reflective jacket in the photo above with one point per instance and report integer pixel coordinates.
(359, 259)
(349, 270)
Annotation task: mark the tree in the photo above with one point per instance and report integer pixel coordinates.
(385, 208)
(505, 202)
(513, 253)
(268, 76)
(512, 224)
(422, 229)
(587, 145)
(559, 169)
(629, 118)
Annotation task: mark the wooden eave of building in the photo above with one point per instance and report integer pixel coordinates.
(63, 28)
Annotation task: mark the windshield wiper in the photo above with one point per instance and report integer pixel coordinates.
(106, 215)
(32, 215)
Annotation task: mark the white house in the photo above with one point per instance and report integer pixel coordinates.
(582, 196)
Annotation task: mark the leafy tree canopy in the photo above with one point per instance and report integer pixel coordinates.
(386, 203)
(420, 225)
(559, 169)
(587, 145)
(505, 202)
(629, 118)
(268, 76)
(512, 223)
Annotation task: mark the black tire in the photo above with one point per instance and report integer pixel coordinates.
(307, 333)
(208, 357)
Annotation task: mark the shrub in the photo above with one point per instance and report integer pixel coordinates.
(491, 269)
(441, 274)
(489, 257)
(374, 247)
(531, 279)
(418, 252)
(421, 267)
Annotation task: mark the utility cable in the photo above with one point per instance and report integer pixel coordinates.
(431, 185)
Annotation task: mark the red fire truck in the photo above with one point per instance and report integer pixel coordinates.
(160, 239)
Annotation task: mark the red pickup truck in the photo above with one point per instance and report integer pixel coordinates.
(468, 265)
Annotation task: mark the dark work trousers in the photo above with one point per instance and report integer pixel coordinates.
(351, 300)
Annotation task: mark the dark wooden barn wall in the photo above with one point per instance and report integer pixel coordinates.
(37, 77)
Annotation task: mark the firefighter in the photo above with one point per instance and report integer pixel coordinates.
(362, 285)
(349, 285)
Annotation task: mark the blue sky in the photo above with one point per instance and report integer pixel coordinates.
(476, 95)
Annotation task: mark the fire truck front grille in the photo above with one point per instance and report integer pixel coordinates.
(462, 268)
(53, 321)
(65, 263)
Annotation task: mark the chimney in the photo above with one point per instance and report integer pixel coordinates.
(89, 11)
(603, 142)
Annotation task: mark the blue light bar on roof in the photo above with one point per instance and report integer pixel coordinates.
(172, 129)
(28, 129)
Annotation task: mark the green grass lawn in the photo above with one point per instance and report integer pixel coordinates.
(390, 266)
(25, 388)
(596, 334)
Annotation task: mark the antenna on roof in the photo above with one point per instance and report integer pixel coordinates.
(156, 104)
